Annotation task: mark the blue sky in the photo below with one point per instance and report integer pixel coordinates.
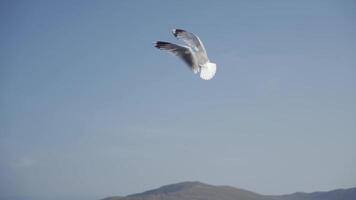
(89, 108)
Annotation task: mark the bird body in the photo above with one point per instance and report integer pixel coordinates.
(194, 54)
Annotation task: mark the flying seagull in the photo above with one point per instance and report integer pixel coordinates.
(194, 54)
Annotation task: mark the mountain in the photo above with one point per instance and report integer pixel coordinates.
(340, 194)
(112, 198)
(202, 191)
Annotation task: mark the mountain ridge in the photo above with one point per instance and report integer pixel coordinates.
(195, 190)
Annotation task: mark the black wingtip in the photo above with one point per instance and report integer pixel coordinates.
(160, 44)
(177, 31)
(155, 44)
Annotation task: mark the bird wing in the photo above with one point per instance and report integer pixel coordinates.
(193, 42)
(185, 53)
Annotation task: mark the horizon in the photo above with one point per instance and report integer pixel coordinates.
(172, 184)
(89, 107)
(199, 182)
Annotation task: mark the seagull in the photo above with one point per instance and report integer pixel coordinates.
(194, 54)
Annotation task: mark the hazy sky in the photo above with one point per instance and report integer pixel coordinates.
(90, 108)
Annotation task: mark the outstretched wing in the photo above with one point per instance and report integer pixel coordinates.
(185, 53)
(193, 42)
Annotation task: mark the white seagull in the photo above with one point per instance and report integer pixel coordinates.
(194, 55)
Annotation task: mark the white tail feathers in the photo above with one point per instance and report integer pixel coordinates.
(207, 71)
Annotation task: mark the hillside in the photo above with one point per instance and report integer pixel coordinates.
(202, 191)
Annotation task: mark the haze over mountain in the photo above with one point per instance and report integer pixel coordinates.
(202, 191)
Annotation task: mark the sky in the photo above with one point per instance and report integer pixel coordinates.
(89, 108)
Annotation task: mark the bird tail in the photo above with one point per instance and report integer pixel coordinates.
(208, 71)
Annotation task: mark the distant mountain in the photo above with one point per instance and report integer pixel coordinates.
(340, 194)
(202, 191)
(112, 198)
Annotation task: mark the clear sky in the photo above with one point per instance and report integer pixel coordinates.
(89, 108)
